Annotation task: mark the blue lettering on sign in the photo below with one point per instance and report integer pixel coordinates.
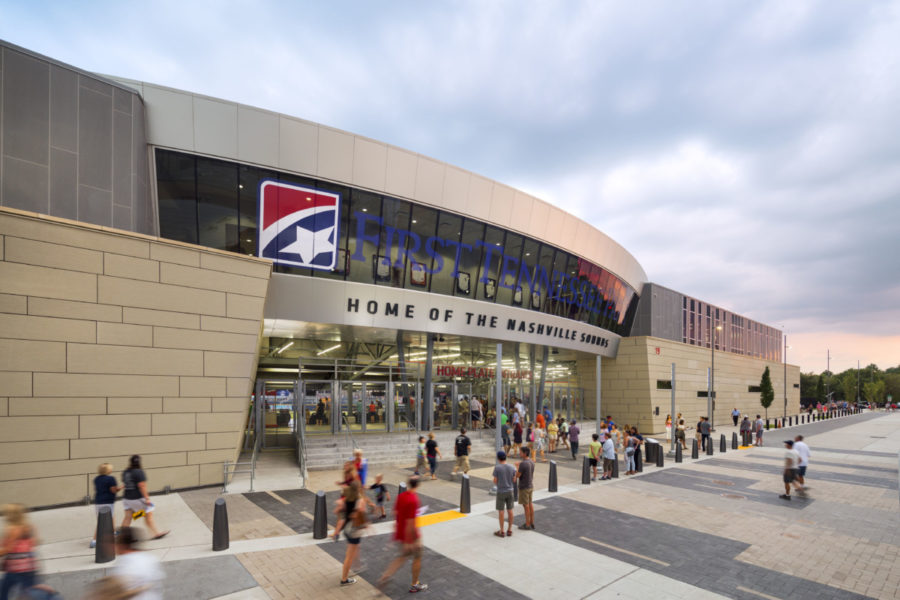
(559, 285)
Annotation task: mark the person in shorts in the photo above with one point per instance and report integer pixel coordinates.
(791, 461)
(407, 535)
(609, 457)
(759, 430)
(594, 449)
(803, 450)
(525, 478)
(504, 476)
(420, 456)
(136, 501)
(105, 489)
(381, 495)
(461, 447)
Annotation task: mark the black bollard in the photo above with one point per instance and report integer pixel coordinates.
(465, 496)
(734, 442)
(767, 424)
(552, 484)
(722, 443)
(709, 446)
(585, 472)
(695, 452)
(220, 526)
(660, 461)
(401, 488)
(648, 453)
(320, 517)
(638, 462)
(615, 470)
(678, 457)
(515, 491)
(106, 541)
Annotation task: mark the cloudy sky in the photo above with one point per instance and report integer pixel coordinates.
(747, 153)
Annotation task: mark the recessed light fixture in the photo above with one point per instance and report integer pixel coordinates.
(528, 254)
(414, 221)
(240, 186)
(365, 210)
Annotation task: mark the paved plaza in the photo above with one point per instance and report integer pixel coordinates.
(708, 528)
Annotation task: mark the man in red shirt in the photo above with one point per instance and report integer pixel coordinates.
(407, 535)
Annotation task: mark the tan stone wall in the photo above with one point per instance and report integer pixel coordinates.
(629, 383)
(114, 343)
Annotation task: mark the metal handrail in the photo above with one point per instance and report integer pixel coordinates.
(301, 454)
(226, 475)
(349, 432)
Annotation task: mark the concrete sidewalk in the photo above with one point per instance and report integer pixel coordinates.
(270, 530)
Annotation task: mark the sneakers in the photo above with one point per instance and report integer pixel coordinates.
(417, 587)
(593, 479)
(784, 497)
(348, 581)
(93, 543)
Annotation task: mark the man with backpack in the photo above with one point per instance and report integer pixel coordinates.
(461, 447)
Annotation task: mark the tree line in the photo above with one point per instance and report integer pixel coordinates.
(875, 386)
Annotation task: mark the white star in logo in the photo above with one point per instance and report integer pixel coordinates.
(310, 244)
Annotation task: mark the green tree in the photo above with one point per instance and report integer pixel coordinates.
(808, 384)
(820, 389)
(892, 385)
(848, 385)
(874, 391)
(766, 392)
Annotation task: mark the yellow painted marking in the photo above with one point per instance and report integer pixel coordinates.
(628, 552)
(439, 517)
(744, 447)
(277, 497)
(755, 593)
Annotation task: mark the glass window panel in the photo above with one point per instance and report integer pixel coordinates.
(342, 260)
(365, 215)
(395, 238)
(470, 253)
(508, 275)
(530, 259)
(423, 246)
(176, 183)
(249, 179)
(449, 227)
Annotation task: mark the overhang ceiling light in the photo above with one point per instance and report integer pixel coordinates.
(326, 350)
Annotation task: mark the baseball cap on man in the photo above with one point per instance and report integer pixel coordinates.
(501, 455)
(789, 442)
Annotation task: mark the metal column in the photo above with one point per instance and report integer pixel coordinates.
(598, 394)
(535, 402)
(389, 408)
(540, 393)
(428, 405)
(498, 395)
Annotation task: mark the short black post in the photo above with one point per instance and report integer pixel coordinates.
(615, 470)
(695, 452)
(465, 496)
(401, 488)
(660, 461)
(767, 424)
(320, 517)
(220, 526)
(585, 471)
(709, 446)
(515, 491)
(678, 457)
(734, 442)
(106, 543)
(638, 461)
(552, 485)
(722, 447)
(648, 453)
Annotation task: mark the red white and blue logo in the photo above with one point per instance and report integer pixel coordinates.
(298, 226)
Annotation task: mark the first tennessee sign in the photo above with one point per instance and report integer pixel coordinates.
(298, 226)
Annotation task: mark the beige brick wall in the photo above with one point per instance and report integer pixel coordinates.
(114, 343)
(629, 383)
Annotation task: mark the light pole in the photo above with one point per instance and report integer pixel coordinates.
(784, 416)
(710, 402)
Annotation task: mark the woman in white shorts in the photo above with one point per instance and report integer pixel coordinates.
(136, 501)
(539, 444)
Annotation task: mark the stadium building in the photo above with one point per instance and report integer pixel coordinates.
(186, 277)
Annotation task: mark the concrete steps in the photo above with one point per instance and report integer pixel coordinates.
(330, 452)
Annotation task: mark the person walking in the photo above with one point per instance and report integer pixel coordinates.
(525, 478)
(574, 430)
(735, 415)
(517, 435)
(352, 521)
(406, 534)
(420, 456)
(539, 436)
(504, 475)
(609, 457)
(432, 452)
(631, 444)
(105, 489)
(361, 464)
(461, 447)
(704, 432)
(564, 432)
(382, 495)
(668, 427)
(137, 499)
(17, 552)
(475, 407)
(594, 450)
(759, 430)
(791, 462)
(803, 451)
(139, 571)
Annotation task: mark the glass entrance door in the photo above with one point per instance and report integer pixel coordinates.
(278, 412)
(445, 405)
(405, 402)
(374, 404)
(316, 405)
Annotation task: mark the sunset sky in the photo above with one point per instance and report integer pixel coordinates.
(746, 153)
